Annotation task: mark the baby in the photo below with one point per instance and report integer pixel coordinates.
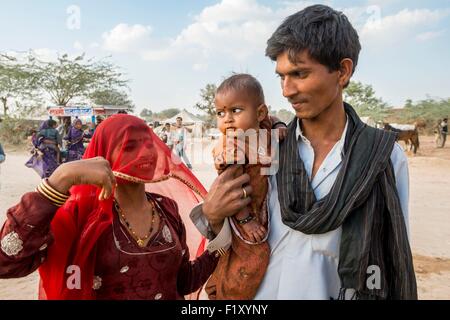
(240, 108)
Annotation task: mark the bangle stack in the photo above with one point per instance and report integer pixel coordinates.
(57, 198)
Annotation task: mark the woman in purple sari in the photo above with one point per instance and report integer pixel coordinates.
(45, 153)
(75, 139)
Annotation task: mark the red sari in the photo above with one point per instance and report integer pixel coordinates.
(84, 223)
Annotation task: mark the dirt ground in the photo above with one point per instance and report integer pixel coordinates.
(429, 216)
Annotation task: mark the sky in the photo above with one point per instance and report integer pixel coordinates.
(171, 49)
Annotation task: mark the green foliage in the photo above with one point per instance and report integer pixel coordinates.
(146, 113)
(14, 130)
(362, 98)
(17, 82)
(111, 97)
(206, 104)
(167, 113)
(70, 78)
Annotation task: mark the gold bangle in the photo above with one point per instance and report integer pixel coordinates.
(49, 192)
(46, 189)
(53, 190)
(49, 197)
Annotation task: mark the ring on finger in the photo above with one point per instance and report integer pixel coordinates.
(245, 193)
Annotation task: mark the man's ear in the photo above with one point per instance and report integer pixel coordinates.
(345, 72)
(262, 112)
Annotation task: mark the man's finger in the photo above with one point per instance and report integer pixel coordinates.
(229, 172)
(240, 181)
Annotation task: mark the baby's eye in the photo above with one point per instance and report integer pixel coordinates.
(220, 113)
(237, 110)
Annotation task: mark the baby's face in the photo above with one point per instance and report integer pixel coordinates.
(236, 110)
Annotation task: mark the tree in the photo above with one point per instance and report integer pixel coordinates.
(111, 97)
(146, 113)
(70, 78)
(206, 105)
(409, 103)
(362, 98)
(167, 113)
(16, 82)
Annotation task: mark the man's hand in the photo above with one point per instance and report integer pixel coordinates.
(226, 197)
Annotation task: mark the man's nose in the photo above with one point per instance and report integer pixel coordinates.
(288, 87)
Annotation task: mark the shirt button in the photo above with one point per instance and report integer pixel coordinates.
(124, 269)
(158, 296)
(43, 247)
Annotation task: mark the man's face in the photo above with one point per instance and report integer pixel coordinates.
(167, 127)
(308, 85)
(179, 123)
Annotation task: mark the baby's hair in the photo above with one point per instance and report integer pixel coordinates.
(243, 82)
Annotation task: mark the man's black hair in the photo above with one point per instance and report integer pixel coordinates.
(51, 123)
(326, 34)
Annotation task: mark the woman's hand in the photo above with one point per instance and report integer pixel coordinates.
(94, 171)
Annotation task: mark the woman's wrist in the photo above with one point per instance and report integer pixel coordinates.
(61, 180)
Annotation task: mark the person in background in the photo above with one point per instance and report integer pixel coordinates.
(2, 154)
(75, 138)
(443, 131)
(166, 135)
(49, 137)
(180, 141)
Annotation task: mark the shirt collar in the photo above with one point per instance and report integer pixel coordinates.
(300, 136)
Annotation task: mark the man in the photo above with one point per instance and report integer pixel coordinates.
(166, 135)
(63, 130)
(338, 205)
(443, 130)
(180, 141)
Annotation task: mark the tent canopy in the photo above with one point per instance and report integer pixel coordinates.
(188, 118)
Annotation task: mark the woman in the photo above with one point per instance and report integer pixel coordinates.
(75, 139)
(111, 239)
(45, 158)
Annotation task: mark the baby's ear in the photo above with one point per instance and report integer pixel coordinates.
(262, 112)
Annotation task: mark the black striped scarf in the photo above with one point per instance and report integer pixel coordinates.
(363, 200)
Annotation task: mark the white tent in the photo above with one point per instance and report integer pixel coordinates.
(188, 120)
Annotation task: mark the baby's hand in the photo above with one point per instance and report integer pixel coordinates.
(255, 231)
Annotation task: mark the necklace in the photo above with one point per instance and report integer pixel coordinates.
(140, 241)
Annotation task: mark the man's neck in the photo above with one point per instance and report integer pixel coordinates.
(327, 127)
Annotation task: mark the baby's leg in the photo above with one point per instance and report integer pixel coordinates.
(253, 230)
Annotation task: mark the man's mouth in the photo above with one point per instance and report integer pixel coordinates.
(298, 104)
